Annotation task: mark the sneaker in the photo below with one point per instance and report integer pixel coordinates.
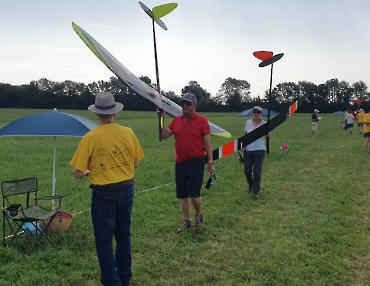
(184, 227)
(199, 222)
(254, 196)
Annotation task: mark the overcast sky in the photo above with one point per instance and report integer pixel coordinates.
(206, 41)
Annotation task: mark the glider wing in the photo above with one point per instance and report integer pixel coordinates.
(257, 133)
(135, 83)
(118, 69)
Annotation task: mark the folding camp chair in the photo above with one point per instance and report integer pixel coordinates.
(20, 212)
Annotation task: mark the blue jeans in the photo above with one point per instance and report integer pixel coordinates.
(253, 169)
(111, 216)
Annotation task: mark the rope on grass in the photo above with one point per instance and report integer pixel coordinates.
(144, 191)
(19, 233)
(148, 190)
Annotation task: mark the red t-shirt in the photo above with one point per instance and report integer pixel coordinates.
(189, 136)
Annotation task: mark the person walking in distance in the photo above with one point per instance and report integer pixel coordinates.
(367, 132)
(254, 154)
(350, 120)
(315, 123)
(360, 120)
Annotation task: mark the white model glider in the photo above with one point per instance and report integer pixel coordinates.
(135, 83)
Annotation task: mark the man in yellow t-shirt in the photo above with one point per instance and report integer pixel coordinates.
(367, 132)
(109, 155)
(360, 119)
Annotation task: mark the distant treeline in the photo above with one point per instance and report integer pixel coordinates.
(233, 96)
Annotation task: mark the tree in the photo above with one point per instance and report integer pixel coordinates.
(316, 95)
(44, 84)
(117, 86)
(360, 92)
(172, 96)
(340, 93)
(233, 93)
(203, 96)
(284, 94)
(195, 88)
(147, 80)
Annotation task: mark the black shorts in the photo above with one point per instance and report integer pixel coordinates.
(367, 134)
(189, 178)
(349, 126)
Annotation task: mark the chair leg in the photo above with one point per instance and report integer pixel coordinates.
(15, 237)
(39, 237)
(4, 229)
(47, 225)
(19, 228)
(45, 230)
(14, 234)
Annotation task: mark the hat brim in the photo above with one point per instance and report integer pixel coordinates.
(114, 110)
(189, 100)
(258, 108)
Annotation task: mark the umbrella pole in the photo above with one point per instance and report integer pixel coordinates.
(54, 178)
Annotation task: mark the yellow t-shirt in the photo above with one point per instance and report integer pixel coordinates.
(367, 126)
(108, 152)
(360, 117)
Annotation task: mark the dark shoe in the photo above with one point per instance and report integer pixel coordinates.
(199, 222)
(184, 227)
(254, 196)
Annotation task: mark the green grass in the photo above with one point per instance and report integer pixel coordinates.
(310, 226)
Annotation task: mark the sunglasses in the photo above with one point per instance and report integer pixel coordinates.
(256, 111)
(185, 102)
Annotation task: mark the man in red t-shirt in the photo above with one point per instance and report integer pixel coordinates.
(192, 143)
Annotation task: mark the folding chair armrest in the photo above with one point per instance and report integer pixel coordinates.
(45, 198)
(59, 197)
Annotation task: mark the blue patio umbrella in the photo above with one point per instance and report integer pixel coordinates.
(249, 112)
(52, 124)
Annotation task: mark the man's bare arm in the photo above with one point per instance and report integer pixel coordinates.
(80, 174)
(166, 132)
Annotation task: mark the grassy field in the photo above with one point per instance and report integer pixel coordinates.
(310, 226)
